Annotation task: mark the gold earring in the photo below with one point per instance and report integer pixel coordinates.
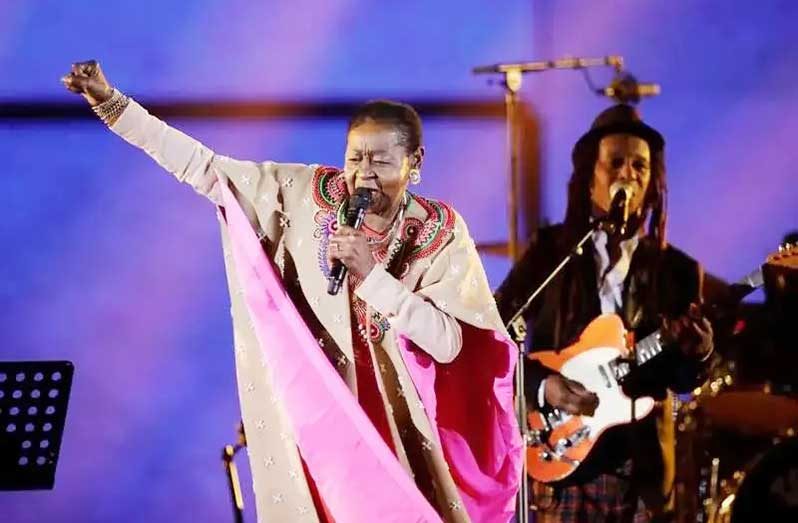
(415, 176)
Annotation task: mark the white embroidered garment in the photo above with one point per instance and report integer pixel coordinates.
(440, 292)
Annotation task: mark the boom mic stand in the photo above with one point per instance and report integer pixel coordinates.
(512, 82)
(513, 79)
(517, 327)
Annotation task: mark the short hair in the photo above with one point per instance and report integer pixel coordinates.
(399, 115)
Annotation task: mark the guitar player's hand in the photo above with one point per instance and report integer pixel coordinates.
(569, 395)
(692, 332)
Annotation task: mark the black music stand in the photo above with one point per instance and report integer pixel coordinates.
(33, 404)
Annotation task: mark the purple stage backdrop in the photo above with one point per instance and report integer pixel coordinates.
(110, 263)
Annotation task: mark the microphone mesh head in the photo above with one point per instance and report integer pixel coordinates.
(628, 189)
(360, 199)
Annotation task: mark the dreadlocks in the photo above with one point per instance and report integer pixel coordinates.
(578, 212)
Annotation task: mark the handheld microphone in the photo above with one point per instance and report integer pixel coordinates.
(626, 89)
(621, 193)
(355, 213)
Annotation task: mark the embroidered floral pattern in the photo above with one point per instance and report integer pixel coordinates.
(429, 236)
(426, 238)
(326, 225)
(378, 325)
(329, 191)
(329, 188)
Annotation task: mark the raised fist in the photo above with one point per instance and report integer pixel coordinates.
(87, 79)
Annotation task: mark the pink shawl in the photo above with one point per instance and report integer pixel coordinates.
(357, 475)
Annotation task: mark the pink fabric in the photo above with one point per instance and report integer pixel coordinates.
(358, 477)
(470, 404)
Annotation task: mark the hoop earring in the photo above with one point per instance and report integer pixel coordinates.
(415, 176)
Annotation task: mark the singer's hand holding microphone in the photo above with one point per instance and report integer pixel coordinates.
(349, 245)
(348, 249)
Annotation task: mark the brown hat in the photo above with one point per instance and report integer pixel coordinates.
(621, 119)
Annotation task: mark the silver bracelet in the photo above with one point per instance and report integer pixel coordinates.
(111, 109)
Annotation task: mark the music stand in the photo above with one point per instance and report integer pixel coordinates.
(33, 404)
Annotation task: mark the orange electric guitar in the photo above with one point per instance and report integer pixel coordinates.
(560, 442)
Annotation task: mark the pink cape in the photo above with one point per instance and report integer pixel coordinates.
(357, 475)
(472, 402)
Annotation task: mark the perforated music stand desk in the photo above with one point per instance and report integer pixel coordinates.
(33, 404)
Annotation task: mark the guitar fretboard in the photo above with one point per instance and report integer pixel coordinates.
(644, 351)
(647, 348)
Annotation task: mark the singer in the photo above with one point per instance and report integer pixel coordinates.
(636, 275)
(414, 331)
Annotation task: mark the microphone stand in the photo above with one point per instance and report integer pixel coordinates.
(513, 79)
(517, 327)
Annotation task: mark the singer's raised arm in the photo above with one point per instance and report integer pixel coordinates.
(194, 163)
(415, 297)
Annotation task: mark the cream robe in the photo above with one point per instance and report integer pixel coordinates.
(284, 207)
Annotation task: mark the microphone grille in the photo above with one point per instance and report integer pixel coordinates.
(628, 189)
(360, 199)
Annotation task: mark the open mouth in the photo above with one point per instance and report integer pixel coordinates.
(372, 184)
(377, 200)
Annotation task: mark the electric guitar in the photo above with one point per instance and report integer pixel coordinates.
(559, 442)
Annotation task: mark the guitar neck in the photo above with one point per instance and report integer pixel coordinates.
(645, 350)
(649, 347)
(653, 344)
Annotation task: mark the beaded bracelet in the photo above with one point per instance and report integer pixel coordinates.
(111, 109)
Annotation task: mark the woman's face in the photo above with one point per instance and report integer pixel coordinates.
(621, 157)
(377, 160)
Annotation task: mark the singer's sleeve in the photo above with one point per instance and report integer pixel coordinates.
(188, 159)
(434, 331)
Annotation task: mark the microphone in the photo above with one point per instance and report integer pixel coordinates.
(621, 193)
(355, 213)
(627, 90)
(567, 62)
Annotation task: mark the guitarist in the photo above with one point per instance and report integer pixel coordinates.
(638, 276)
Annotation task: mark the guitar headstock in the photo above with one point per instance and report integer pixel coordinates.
(787, 256)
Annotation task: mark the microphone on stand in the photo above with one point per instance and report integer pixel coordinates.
(568, 62)
(621, 193)
(626, 89)
(355, 213)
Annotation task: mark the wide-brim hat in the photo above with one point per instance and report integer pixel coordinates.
(621, 119)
